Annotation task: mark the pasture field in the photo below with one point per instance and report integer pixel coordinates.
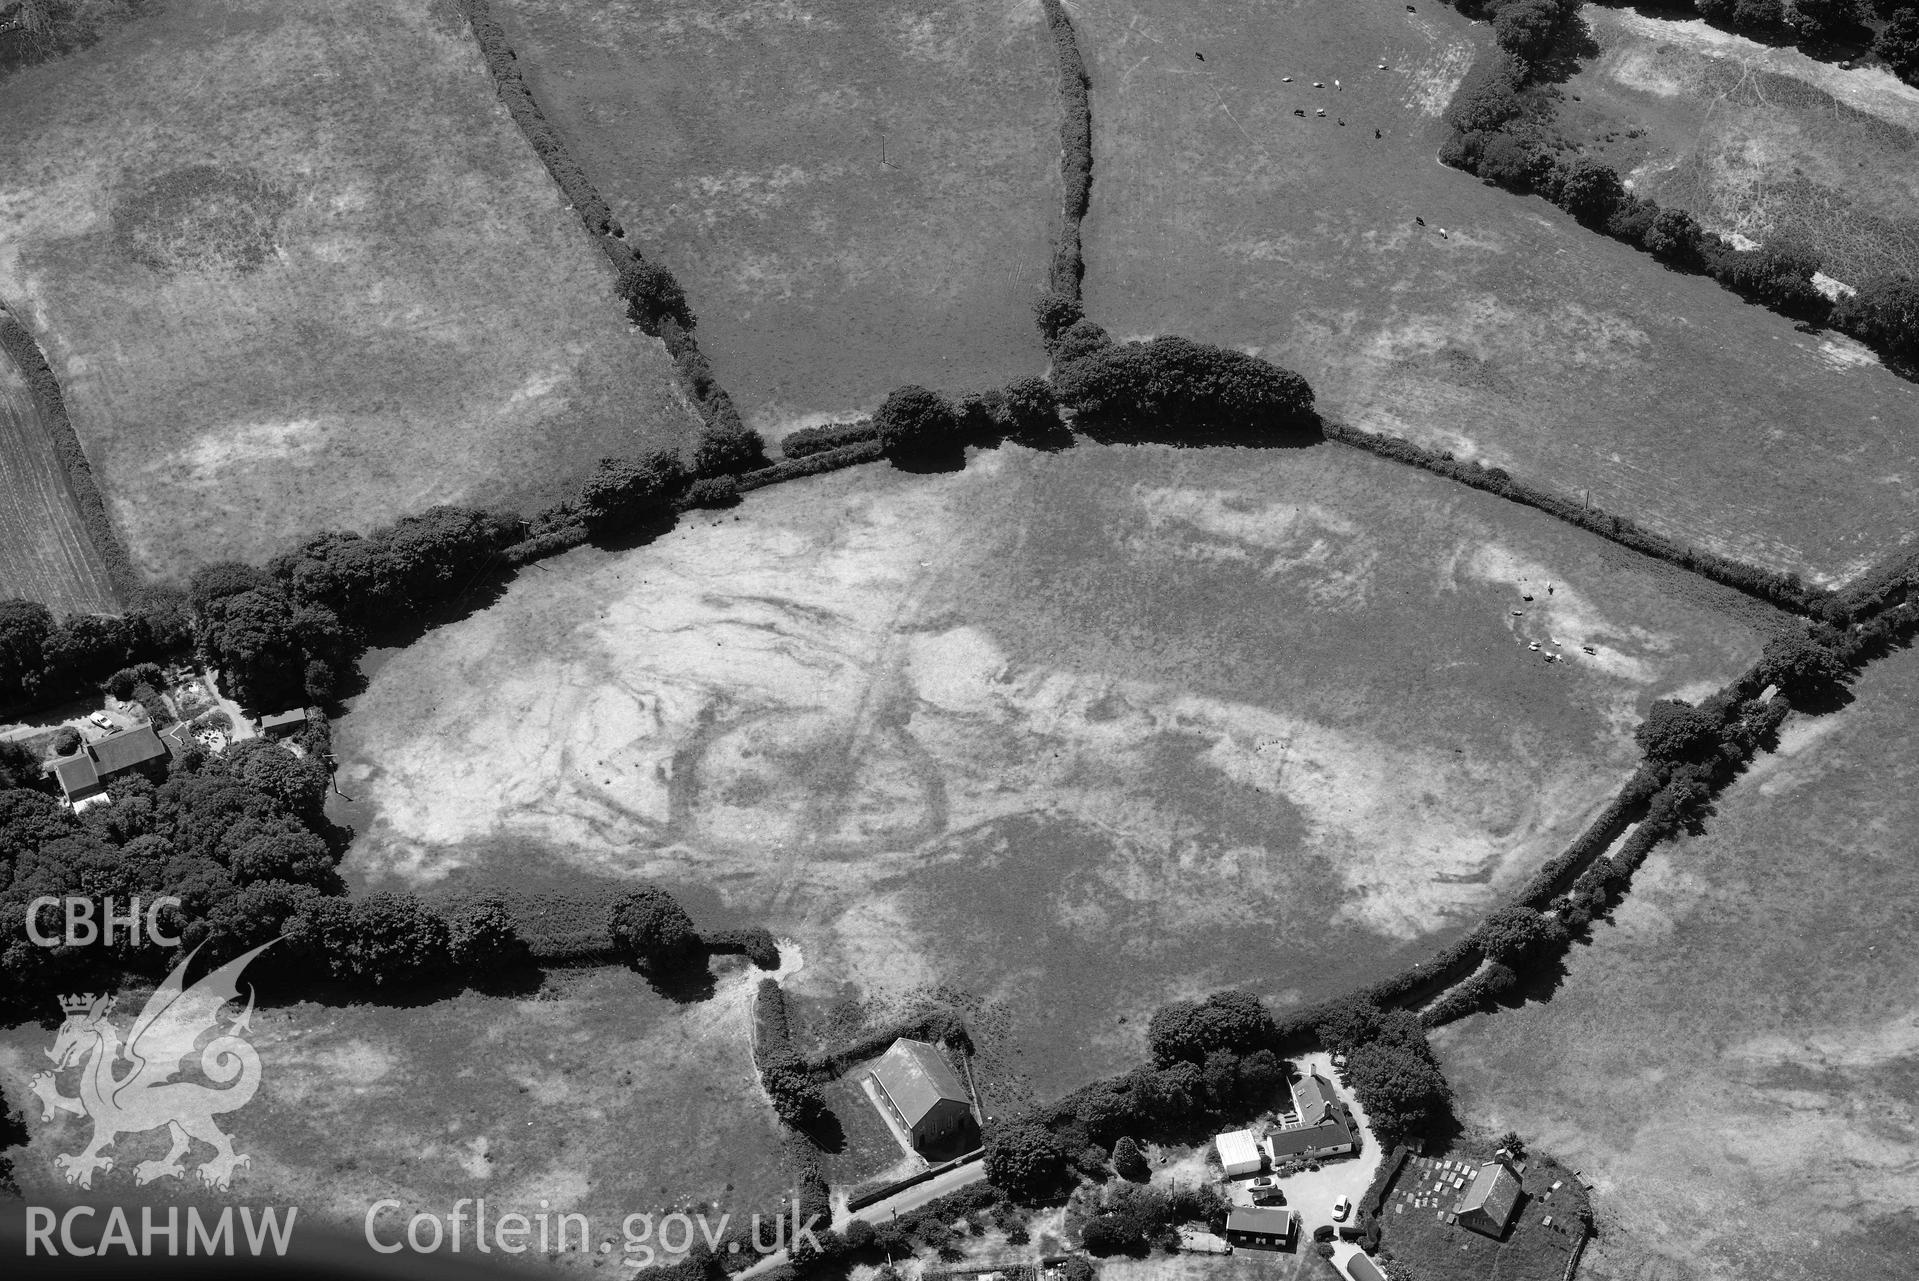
(296, 269)
(855, 194)
(45, 553)
(593, 1096)
(1734, 1059)
(1759, 141)
(1516, 336)
(1076, 733)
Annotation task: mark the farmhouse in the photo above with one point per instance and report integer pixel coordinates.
(86, 775)
(1323, 1126)
(1261, 1227)
(1239, 1153)
(919, 1089)
(1487, 1204)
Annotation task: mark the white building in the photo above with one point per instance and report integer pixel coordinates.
(1239, 1153)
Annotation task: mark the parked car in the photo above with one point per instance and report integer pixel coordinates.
(1342, 1208)
(100, 719)
(1351, 1232)
(1324, 1232)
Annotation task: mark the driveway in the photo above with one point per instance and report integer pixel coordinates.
(1311, 1194)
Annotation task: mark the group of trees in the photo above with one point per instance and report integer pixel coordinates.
(42, 658)
(1391, 1068)
(1130, 1219)
(1175, 390)
(240, 839)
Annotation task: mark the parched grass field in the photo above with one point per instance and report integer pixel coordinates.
(1735, 1057)
(1076, 733)
(1760, 141)
(855, 195)
(45, 553)
(1517, 336)
(296, 269)
(596, 1096)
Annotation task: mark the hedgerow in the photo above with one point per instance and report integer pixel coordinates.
(1787, 591)
(813, 464)
(808, 441)
(26, 355)
(1076, 150)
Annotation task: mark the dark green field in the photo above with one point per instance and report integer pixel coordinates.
(1519, 336)
(855, 195)
(1735, 1058)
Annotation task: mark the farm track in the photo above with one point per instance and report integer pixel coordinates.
(45, 552)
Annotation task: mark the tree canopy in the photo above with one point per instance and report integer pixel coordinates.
(1024, 1160)
(1677, 731)
(653, 931)
(914, 421)
(1187, 1030)
(1175, 389)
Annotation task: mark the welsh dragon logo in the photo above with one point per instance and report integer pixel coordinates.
(128, 1088)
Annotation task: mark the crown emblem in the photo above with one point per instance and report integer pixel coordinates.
(79, 1003)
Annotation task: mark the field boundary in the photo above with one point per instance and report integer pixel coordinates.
(674, 325)
(1785, 591)
(1075, 150)
(19, 344)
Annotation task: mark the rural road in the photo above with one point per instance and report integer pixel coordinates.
(878, 1212)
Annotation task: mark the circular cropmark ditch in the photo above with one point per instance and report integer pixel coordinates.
(202, 218)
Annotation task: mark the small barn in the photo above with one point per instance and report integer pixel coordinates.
(920, 1090)
(284, 724)
(1487, 1204)
(1261, 1227)
(1239, 1153)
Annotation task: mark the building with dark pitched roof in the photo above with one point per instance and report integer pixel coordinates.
(117, 753)
(1261, 1227)
(78, 777)
(87, 773)
(920, 1090)
(284, 724)
(1487, 1204)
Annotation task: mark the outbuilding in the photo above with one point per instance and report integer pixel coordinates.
(1239, 1153)
(1261, 1227)
(920, 1090)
